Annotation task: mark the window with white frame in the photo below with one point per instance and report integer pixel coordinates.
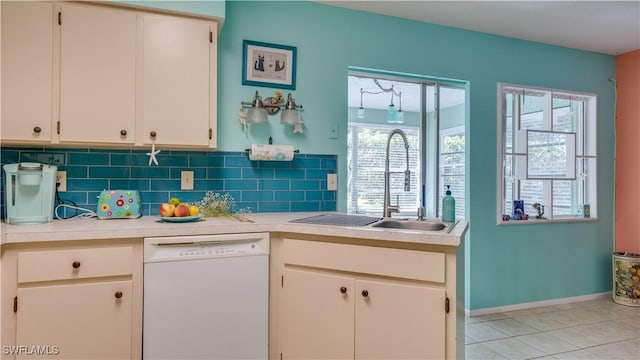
(547, 154)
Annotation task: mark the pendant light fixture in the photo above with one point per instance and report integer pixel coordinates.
(400, 113)
(394, 116)
(361, 108)
(392, 112)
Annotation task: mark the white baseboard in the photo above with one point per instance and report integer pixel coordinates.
(536, 304)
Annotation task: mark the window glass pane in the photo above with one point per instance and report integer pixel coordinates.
(508, 188)
(531, 191)
(587, 184)
(564, 115)
(531, 106)
(508, 124)
(452, 167)
(366, 163)
(564, 196)
(550, 155)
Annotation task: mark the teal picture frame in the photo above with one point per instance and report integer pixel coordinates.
(268, 65)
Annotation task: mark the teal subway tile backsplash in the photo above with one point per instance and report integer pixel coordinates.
(260, 186)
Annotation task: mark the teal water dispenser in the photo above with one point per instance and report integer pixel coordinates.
(29, 192)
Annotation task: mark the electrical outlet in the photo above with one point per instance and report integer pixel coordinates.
(332, 181)
(186, 180)
(61, 180)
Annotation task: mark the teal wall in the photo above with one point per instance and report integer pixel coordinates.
(506, 264)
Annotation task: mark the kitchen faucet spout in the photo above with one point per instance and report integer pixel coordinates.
(387, 207)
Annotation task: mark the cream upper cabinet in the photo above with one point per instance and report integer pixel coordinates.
(178, 81)
(27, 71)
(97, 74)
(93, 74)
(343, 301)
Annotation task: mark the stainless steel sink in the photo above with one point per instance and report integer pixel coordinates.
(411, 225)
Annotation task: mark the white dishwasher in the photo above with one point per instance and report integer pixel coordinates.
(206, 297)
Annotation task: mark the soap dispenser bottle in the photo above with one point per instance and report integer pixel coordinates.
(448, 207)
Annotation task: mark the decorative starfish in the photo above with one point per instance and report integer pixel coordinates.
(152, 155)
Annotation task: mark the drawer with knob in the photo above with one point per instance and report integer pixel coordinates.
(34, 266)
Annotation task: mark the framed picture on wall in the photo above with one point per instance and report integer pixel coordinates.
(269, 65)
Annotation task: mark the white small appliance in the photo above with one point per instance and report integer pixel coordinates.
(29, 192)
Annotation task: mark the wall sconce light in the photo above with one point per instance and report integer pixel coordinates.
(394, 116)
(258, 109)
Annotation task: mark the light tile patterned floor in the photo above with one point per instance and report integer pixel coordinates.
(597, 329)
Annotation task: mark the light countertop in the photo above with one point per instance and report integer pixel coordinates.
(148, 226)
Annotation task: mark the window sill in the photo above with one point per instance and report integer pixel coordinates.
(545, 221)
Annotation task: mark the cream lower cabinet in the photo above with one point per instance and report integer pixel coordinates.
(80, 301)
(341, 301)
(61, 315)
(340, 317)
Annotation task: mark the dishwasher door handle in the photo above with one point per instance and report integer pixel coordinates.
(207, 242)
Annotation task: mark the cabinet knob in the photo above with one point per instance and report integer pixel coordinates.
(343, 290)
(37, 129)
(123, 132)
(365, 293)
(118, 294)
(76, 264)
(153, 134)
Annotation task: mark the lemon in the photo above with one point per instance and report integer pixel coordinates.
(174, 201)
(194, 210)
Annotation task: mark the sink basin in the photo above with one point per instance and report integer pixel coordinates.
(410, 225)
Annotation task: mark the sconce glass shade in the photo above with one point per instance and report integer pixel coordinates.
(360, 112)
(392, 114)
(290, 116)
(257, 112)
(257, 115)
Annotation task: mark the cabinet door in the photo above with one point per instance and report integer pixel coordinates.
(27, 71)
(178, 78)
(317, 317)
(97, 74)
(399, 321)
(85, 321)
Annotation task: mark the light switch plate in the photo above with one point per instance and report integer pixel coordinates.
(332, 181)
(186, 180)
(332, 130)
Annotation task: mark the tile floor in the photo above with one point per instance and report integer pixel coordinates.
(596, 329)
